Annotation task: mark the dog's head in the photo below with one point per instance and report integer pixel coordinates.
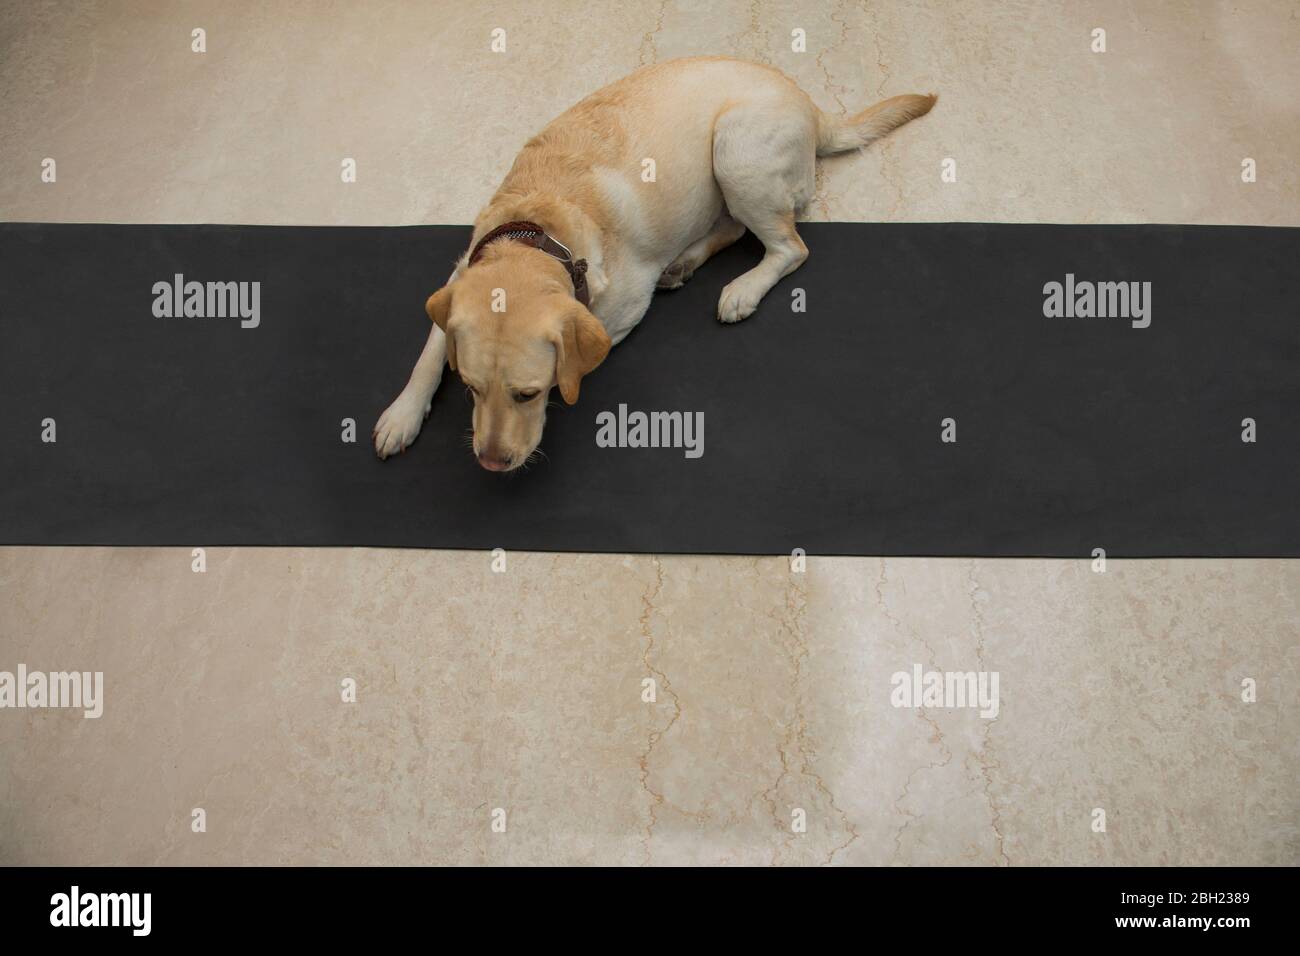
(514, 331)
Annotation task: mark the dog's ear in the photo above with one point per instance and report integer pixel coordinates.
(439, 308)
(581, 344)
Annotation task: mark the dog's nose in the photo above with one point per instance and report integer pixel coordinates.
(493, 462)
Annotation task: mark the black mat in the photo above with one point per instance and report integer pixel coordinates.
(822, 428)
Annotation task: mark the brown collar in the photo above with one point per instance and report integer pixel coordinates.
(531, 234)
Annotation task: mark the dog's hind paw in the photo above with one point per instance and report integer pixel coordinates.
(675, 276)
(399, 425)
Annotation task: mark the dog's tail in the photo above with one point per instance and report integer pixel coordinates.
(836, 134)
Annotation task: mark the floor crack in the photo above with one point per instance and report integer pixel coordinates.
(936, 736)
(657, 799)
(791, 622)
(987, 764)
(886, 169)
(648, 41)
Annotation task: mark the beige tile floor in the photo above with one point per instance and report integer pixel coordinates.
(523, 690)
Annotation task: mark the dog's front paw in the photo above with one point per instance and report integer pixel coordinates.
(739, 300)
(399, 425)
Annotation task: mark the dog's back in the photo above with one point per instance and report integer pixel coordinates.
(647, 143)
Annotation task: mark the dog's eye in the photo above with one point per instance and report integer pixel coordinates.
(522, 397)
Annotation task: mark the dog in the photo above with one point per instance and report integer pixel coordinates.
(629, 191)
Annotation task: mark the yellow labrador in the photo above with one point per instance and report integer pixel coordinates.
(630, 190)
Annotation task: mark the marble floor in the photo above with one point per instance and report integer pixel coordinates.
(505, 718)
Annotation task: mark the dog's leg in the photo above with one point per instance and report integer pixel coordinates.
(626, 300)
(401, 421)
(785, 253)
(763, 159)
(724, 232)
